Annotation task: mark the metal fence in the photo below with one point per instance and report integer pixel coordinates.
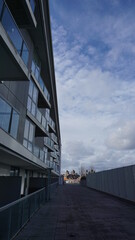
(16, 214)
(119, 182)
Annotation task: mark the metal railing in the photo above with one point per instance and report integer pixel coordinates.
(16, 214)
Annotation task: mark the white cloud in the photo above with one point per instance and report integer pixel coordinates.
(123, 138)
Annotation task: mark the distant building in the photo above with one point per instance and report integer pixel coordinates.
(71, 177)
(30, 142)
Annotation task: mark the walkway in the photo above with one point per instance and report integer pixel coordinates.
(79, 213)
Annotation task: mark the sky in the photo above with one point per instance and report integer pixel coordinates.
(94, 57)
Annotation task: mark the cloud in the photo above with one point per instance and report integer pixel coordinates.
(94, 66)
(123, 138)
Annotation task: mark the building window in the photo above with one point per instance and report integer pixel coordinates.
(32, 98)
(36, 65)
(14, 124)
(14, 171)
(9, 118)
(29, 131)
(5, 115)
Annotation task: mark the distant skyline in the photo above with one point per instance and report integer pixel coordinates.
(94, 55)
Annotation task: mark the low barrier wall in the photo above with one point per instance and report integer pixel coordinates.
(16, 214)
(119, 182)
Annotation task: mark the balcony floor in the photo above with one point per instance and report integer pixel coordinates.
(76, 212)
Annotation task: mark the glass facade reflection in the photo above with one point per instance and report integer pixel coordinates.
(29, 132)
(9, 118)
(5, 115)
(14, 124)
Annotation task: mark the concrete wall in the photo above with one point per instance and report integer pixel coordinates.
(118, 182)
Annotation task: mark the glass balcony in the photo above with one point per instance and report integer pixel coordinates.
(52, 123)
(56, 147)
(49, 142)
(53, 137)
(13, 32)
(35, 68)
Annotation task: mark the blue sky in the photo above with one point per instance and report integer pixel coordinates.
(94, 55)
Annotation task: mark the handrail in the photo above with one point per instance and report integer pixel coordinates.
(15, 215)
(20, 199)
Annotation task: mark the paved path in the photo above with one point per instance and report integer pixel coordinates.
(79, 213)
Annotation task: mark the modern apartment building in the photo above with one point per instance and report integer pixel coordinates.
(30, 143)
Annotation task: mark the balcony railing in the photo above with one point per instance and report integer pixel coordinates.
(56, 147)
(49, 142)
(13, 32)
(15, 215)
(36, 71)
(38, 115)
(52, 123)
(53, 137)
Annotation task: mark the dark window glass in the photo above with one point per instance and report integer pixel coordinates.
(14, 124)
(12, 30)
(1, 5)
(5, 115)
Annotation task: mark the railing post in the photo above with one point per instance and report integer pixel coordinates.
(48, 183)
(9, 226)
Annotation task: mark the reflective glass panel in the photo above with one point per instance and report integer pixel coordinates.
(37, 74)
(36, 151)
(31, 132)
(5, 114)
(33, 110)
(25, 143)
(29, 146)
(41, 155)
(33, 67)
(38, 115)
(35, 94)
(31, 85)
(41, 83)
(12, 30)
(26, 129)
(29, 104)
(25, 54)
(14, 124)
